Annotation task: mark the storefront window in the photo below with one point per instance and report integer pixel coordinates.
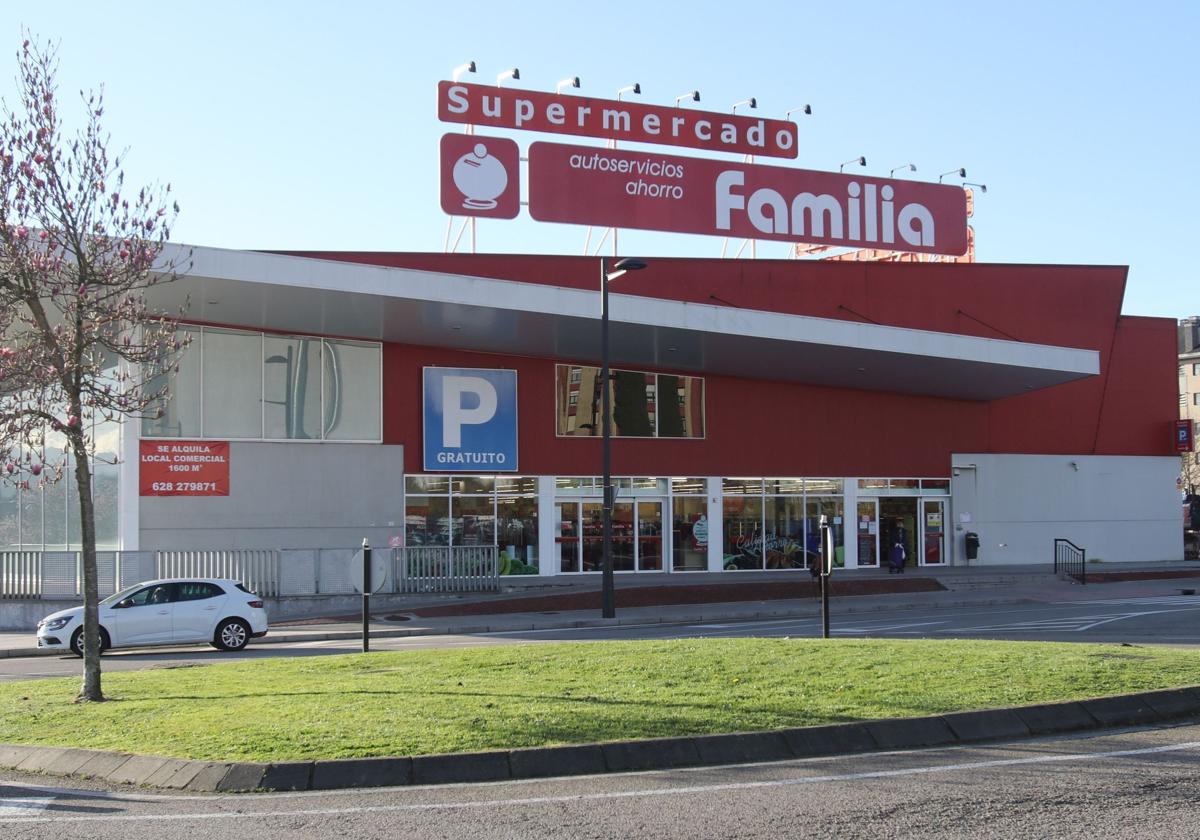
(426, 520)
(688, 486)
(465, 511)
(566, 535)
(472, 520)
(784, 543)
(517, 534)
(832, 508)
(743, 532)
(689, 534)
(739, 486)
(593, 536)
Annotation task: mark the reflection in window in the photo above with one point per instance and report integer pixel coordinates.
(181, 410)
(291, 388)
(352, 391)
(643, 404)
(257, 386)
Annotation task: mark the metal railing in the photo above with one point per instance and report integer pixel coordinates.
(268, 572)
(257, 569)
(1070, 560)
(465, 568)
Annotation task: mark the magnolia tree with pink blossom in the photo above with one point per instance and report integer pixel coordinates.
(78, 342)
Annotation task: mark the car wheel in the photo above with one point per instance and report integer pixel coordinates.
(232, 634)
(77, 642)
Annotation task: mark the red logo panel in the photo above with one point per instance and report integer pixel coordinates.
(481, 176)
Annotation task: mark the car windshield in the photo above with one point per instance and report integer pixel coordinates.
(120, 596)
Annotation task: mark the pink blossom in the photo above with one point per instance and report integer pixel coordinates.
(43, 235)
(22, 233)
(36, 469)
(39, 158)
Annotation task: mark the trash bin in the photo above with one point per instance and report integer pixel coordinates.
(972, 541)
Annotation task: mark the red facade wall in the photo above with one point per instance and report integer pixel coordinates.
(760, 427)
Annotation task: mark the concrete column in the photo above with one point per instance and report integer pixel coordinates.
(850, 522)
(128, 500)
(716, 525)
(548, 562)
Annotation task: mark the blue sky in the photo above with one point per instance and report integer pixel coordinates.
(313, 125)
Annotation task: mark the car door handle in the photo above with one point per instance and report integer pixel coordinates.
(210, 609)
(164, 612)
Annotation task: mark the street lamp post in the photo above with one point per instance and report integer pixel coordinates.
(608, 605)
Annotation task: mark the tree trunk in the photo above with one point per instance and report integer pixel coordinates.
(90, 690)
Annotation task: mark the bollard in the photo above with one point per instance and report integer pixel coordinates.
(366, 593)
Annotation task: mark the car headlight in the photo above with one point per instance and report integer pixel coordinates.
(54, 623)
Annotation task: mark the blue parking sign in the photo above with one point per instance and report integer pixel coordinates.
(470, 420)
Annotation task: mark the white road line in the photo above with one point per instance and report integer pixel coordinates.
(886, 627)
(1178, 601)
(629, 794)
(1066, 624)
(21, 807)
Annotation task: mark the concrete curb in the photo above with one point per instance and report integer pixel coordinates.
(613, 756)
(573, 624)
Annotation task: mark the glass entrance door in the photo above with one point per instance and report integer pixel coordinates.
(933, 532)
(637, 543)
(868, 532)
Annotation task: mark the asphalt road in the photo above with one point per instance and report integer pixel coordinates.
(1171, 619)
(1115, 785)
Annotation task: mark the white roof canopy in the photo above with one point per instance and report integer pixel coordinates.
(304, 295)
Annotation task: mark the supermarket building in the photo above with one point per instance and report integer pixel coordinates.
(908, 403)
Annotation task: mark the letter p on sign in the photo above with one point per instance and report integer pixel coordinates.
(457, 392)
(470, 420)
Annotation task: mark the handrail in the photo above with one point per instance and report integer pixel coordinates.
(1068, 556)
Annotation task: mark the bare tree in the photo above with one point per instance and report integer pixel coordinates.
(1189, 472)
(78, 342)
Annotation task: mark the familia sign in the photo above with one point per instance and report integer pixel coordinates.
(470, 420)
(619, 188)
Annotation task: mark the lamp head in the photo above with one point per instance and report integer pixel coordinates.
(469, 67)
(693, 95)
(629, 264)
(570, 81)
(514, 73)
(980, 187)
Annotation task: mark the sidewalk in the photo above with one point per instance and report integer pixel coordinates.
(493, 613)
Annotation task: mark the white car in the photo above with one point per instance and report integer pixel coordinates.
(161, 612)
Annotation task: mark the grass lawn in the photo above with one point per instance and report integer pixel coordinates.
(433, 701)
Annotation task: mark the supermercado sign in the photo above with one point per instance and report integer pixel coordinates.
(183, 468)
(648, 191)
(470, 420)
(529, 110)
